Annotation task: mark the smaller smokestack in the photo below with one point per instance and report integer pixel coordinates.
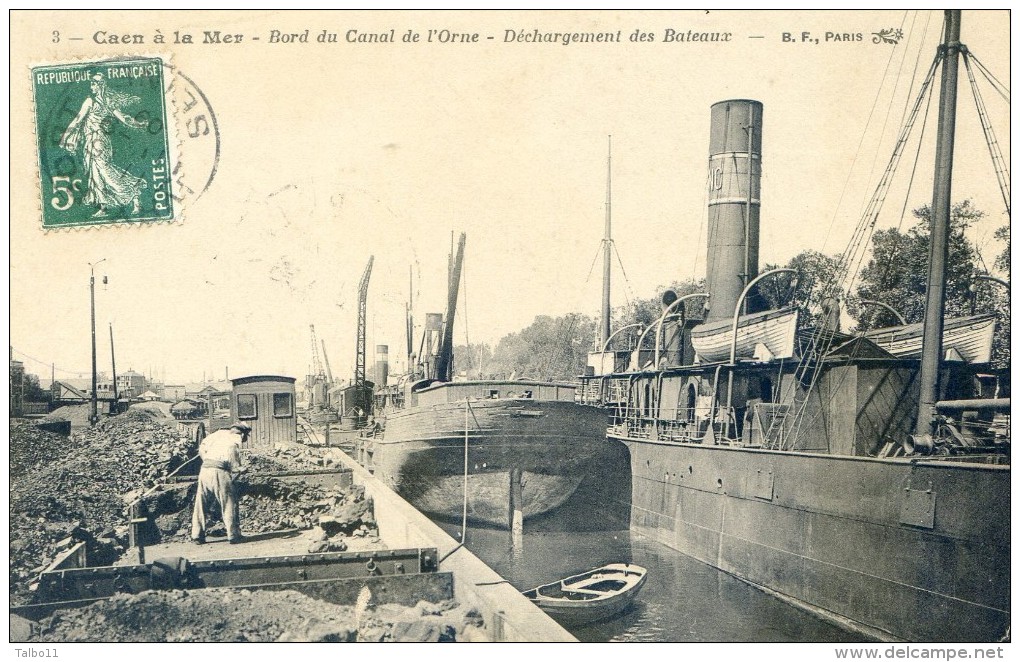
(672, 328)
(669, 297)
(382, 364)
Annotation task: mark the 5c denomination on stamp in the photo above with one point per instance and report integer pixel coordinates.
(104, 142)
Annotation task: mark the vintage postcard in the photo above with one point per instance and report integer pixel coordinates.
(511, 326)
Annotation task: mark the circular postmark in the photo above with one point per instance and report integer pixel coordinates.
(199, 138)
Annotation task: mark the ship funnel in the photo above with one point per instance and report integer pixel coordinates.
(734, 186)
(382, 364)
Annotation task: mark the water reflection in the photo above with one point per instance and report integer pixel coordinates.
(683, 599)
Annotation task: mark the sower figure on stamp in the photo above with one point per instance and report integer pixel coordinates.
(221, 463)
(108, 185)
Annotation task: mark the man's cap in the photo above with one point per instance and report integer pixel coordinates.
(243, 428)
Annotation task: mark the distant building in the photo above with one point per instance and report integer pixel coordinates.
(104, 388)
(71, 390)
(173, 392)
(130, 384)
(17, 388)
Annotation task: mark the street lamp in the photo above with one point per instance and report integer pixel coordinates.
(733, 339)
(94, 414)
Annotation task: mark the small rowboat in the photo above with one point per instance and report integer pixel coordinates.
(591, 596)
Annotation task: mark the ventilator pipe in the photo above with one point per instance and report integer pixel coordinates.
(662, 318)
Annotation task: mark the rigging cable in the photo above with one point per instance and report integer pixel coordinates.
(51, 365)
(628, 291)
(701, 225)
(855, 250)
(857, 153)
(913, 170)
(998, 163)
(892, 95)
(849, 263)
(996, 84)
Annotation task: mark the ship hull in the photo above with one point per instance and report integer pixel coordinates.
(915, 551)
(550, 444)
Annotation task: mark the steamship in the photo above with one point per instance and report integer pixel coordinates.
(835, 471)
(495, 452)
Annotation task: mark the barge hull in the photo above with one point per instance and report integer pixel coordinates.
(916, 551)
(551, 443)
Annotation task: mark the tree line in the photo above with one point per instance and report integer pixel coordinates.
(556, 348)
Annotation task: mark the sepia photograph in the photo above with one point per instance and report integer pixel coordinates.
(518, 326)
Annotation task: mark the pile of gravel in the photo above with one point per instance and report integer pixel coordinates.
(78, 490)
(241, 615)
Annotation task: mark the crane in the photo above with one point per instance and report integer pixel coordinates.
(325, 359)
(317, 370)
(359, 359)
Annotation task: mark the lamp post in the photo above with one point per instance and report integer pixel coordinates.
(94, 413)
(733, 339)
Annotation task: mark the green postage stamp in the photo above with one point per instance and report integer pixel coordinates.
(104, 147)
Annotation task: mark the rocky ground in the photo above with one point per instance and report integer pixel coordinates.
(74, 489)
(31, 448)
(70, 489)
(230, 615)
(273, 503)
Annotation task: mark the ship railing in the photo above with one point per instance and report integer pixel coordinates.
(685, 425)
(602, 391)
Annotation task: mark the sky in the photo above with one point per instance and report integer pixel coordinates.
(331, 153)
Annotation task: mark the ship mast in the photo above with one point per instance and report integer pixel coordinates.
(444, 364)
(607, 252)
(934, 311)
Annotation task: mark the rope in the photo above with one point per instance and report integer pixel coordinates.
(996, 84)
(853, 162)
(701, 225)
(896, 84)
(849, 263)
(913, 170)
(628, 292)
(998, 163)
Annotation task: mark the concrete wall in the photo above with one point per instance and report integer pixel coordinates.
(509, 616)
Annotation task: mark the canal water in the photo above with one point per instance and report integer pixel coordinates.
(683, 600)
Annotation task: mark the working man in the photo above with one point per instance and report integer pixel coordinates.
(221, 463)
